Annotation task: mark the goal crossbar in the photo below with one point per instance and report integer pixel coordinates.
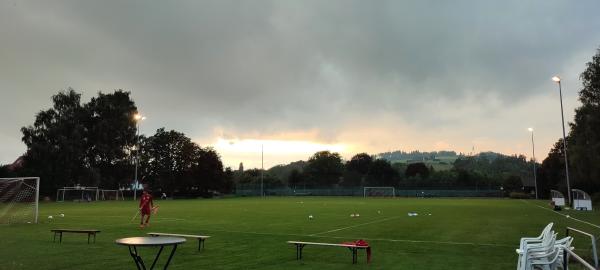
(60, 193)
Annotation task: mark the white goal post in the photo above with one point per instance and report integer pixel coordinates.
(19, 200)
(379, 192)
(78, 194)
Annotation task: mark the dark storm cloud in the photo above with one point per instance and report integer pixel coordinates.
(267, 66)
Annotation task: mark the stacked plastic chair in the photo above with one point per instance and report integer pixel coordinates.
(543, 252)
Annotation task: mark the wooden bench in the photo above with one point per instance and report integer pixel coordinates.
(200, 238)
(353, 248)
(61, 231)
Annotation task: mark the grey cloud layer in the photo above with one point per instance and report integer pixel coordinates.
(268, 66)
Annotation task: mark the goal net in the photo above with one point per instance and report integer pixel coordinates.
(77, 194)
(379, 192)
(111, 195)
(19, 198)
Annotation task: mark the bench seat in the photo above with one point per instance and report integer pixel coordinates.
(353, 248)
(201, 238)
(61, 231)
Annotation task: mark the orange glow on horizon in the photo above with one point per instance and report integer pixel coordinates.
(279, 147)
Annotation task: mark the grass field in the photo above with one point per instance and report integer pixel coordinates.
(250, 233)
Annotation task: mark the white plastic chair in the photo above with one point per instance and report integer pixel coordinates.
(537, 249)
(548, 261)
(533, 240)
(547, 258)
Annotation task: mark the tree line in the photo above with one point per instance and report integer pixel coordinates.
(95, 144)
(328, 170)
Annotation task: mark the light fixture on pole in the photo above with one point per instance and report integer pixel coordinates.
(534, 171)
(557, 80)
(137, 117)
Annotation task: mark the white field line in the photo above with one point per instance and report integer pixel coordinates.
(576, 219)
(120, 217)
(369, 239)
(353, 226)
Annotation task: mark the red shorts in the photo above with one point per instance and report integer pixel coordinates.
(146, 211)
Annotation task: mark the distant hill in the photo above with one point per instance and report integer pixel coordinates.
(417, 156)
(439, 160)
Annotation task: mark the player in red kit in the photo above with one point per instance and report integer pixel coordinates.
(146, 205)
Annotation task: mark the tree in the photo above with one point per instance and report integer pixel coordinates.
(110, 130)
(415, 169)
(282, 172)
(360, 163)
(584, 138)
(207, 171)
(252, 178)
(324, 169)
(357, 169)
(56, 143)
(167, 160)
(172, 162)
(296, 179)
(381, 173)
(72, 143)
(513, 184)
(552, 171)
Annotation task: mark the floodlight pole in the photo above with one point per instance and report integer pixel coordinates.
(534, 171)
(137, 156)
(262, 169)
(137, 117)
(562, 114)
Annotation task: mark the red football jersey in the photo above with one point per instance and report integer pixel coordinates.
(146, 201)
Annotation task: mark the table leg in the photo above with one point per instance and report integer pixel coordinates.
(89, 238)
(170, 256)
(156, 258)
(54, 238)
(94, 238)
(139, 263)
(60, 237)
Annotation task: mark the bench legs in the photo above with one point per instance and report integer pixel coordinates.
(354, 251)
(299, 248)
(354, 255)
(200, 243)
(60, 234)
(59, 239)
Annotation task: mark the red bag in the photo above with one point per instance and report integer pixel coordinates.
(361, 243)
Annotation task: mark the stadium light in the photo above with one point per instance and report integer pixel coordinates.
(138, 118)
(562, 114)
(534, 171)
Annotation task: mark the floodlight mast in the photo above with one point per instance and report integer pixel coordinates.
(557, 80)
(262, 169)
(137, 117)
(534, 170)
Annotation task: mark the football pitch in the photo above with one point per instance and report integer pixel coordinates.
(251, 233)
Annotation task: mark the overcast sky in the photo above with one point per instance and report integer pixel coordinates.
(350, 76)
